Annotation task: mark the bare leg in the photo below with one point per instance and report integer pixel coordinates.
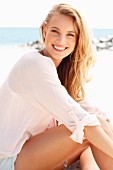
(87, 161)
(105, 162)
(48, 150)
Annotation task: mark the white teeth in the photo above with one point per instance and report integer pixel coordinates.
(59, 48)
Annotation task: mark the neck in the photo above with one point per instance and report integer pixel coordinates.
(45, 53)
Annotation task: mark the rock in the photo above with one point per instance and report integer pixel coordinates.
(35, 44)
(103, 43)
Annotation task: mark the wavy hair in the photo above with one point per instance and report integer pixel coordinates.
(73, 70)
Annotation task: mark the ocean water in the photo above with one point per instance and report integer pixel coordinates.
(18, 36)
(21, 36)
(102, 32)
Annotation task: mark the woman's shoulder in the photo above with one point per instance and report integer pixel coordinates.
(34, 58)
(33, 62)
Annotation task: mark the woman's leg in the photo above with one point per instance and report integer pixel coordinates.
(49, 150)
(87, 161)
(105, 162)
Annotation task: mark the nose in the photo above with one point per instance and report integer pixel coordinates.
(61, 39)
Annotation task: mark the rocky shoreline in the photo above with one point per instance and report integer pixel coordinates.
(35, 45)
(103, 43)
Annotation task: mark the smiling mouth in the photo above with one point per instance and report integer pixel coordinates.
(59, 48)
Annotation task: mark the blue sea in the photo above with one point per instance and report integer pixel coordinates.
(18, 36)
(21, 36)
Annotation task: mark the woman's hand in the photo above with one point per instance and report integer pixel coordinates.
(110, 124)
(99, 138)
(106, 126)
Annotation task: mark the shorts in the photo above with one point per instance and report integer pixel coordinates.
(7, 163)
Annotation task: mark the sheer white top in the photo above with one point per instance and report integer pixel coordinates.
(32, 99)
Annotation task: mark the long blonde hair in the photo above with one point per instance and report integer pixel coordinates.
(73, 70)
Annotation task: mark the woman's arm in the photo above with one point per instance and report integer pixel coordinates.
(110, 125)
(106, 126)
(96, 136)
(41, 87)
(92, 109)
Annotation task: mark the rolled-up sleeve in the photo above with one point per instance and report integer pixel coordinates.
(92, 109)
(41, 85)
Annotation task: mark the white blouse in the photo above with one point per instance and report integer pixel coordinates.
(32, 99)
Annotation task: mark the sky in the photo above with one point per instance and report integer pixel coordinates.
(30, 13)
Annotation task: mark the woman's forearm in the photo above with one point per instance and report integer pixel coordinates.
(110, 125)
(106, 126)
(96, 136)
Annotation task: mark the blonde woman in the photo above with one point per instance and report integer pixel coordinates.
(48, 86)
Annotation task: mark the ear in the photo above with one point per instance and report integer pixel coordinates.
(44, 29)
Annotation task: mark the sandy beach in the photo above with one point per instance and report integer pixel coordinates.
(100, 89)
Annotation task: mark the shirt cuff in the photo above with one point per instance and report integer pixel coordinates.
(78, 134)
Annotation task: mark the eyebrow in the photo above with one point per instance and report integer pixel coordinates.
(67, 31)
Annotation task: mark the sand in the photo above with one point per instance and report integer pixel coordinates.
(100, 90)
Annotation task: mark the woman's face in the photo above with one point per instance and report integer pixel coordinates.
(60, 37)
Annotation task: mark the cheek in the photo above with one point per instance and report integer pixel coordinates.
(72, 43)
(72, 47)
(50, 39)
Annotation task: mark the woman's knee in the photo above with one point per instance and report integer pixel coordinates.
(55, 142)
(87, 161)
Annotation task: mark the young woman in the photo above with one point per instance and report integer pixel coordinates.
(48, 86)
